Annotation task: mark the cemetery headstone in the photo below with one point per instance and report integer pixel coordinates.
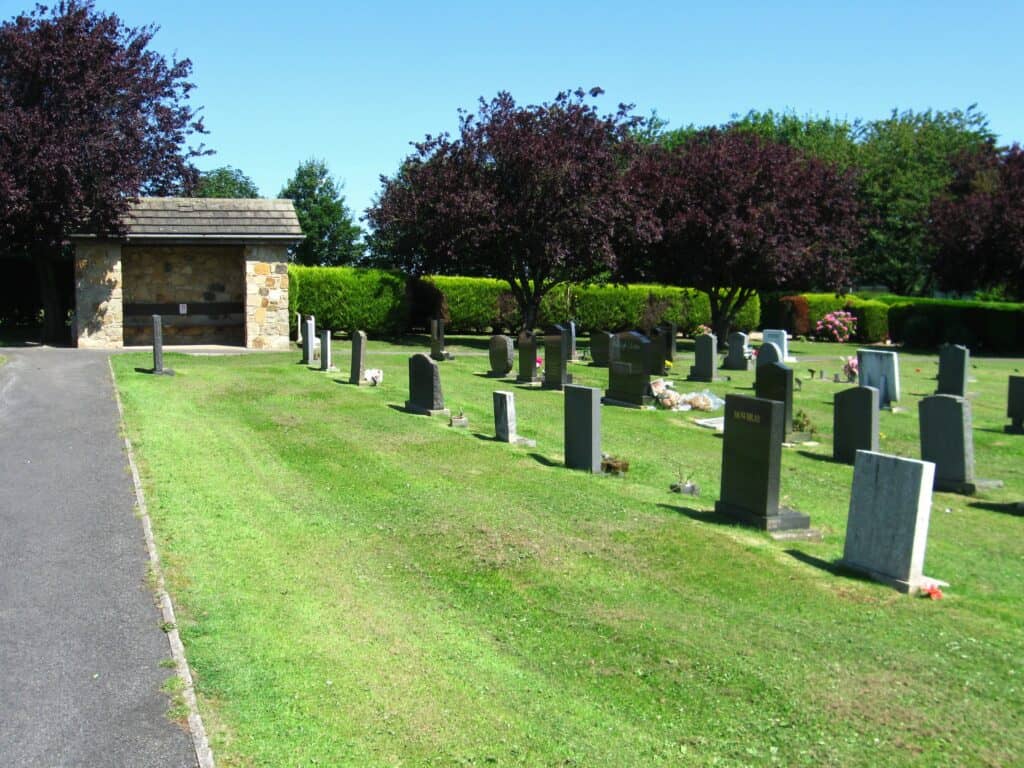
(501, 356)
(629, 382)
(437, 349)
(308, 335)
(768, 353)
(752, 465)
(775, 382)
(357, 371)
(505, 420)
(780, 340)
(326, 361)
(887, 525)
(583, 428)
(663, 348)
(1015, 404)
(954, 362)
(158, 348)
(881, 370)
(736, 359)
(527, 358)
(947, 441)
(573, 355)
(706, 358)
(854, 423)
(556, 358)
(600, 348)
(425, 396)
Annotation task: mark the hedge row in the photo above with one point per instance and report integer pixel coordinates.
(384, 302)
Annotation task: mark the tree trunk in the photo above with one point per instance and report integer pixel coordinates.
(54, 330)
(530, 310)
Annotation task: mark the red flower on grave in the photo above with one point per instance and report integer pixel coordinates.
(932, 591)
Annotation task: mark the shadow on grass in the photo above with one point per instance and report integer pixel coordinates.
(820, 457)
(703, 516)
(542, 459)
(503, 377)
(833, 568)
(1015, 508)
(485, 438)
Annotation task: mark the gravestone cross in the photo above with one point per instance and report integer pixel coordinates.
(854, 423)
(954, 362)
(582, 421)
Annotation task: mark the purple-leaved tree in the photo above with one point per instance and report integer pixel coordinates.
(532, 195)
(90, 118)
(738, 214)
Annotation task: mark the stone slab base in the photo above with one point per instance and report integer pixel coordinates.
(534, 380)
(786, 520)
(707, 379)
(907, 587)
(412, 408)
(955, 486)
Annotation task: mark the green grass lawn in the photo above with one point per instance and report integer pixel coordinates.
(360, 586)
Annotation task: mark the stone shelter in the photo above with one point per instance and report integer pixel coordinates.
(216, 270)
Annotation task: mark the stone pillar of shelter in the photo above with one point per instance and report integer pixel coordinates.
(266, 297)
(99, 303)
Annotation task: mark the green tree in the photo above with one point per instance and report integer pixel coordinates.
(332, 237)
(905, 162)
(226, 182)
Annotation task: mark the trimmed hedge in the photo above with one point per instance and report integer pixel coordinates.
(348, 298)
(872, 316)
(979, 325)
(384, 302)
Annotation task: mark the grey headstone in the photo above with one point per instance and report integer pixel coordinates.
(768, 353)
(583, 428)
(502, 356)
(629, 382)
(158, 348)
(600, 347)
(424, 386)
(705, 358)
(573, 355)
(437, 348)
(1015, 404)
(556, 358)
(881, 370)
(887, 527)
(752, 465)
(505, 420)
(737, 359)
(358, 358)
(326, 363)
(308, 337)
(954, 363)
(775, 382)
(779, 339)
(854, 423)
(527, 343)
(947, 441)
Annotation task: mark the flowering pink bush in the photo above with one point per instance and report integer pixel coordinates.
(850, 368)
(836, 326)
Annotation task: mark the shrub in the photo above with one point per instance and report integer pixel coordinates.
(838, 326)
(349, 299)
(985, 326)
(795, 313)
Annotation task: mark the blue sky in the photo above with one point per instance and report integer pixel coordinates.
(355, 83)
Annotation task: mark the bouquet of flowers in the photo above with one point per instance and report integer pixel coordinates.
(850, 367)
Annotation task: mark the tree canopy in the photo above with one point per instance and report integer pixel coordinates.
(90, 117)
(226, 182)
(532, 195)
(737, 213)
(332, 237)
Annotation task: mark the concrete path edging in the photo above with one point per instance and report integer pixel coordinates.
(204, 755)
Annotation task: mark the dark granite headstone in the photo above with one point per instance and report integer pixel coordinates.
(752, 465)
(1015, 404)
(854, 423)
(768, 353)
(737, 359)
(556, 358)
(583, 428)
(424, 386)
(600, 348)
(158, 348)
(947, 440)
(705, 358)
(774, 381)
(663, 348)
(629, 382)
(501, 354)
(308, 336)
(954, 362)
(527, 358)
(437, 349)
(358, 358)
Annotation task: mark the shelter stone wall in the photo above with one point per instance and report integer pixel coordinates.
(266, 297)
(99, 316)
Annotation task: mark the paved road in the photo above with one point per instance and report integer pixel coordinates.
(80, 643)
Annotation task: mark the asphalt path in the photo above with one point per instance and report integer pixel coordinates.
(80, 637)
